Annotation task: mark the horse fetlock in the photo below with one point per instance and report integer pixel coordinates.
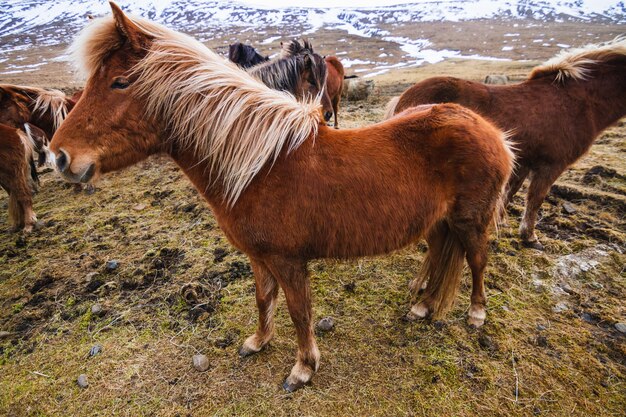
(254, 344)
(418, 311)
(301, 374)
(476, 315)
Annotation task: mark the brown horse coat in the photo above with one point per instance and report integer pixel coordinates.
(334, 83)
(15, 154)
(285, 188)
(554, 116)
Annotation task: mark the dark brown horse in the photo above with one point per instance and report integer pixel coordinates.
(15, 155)
(245, 55)
(334, 77)
(554, 115)
(284, 187)
(302, 74)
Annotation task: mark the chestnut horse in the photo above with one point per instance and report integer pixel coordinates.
(16, 155)
(554, 116)
(245, 55)
(36, 111)
(284, 187)
(334, 78)
(302, 74)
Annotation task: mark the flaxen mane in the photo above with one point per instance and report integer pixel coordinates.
(231, 120)
(577, 63)
(53, 101)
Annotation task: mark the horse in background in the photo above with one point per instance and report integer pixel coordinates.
(554, 116)
(245, 56)
(38, 112)
(284, 187)
(16, 150)
(302, 74)
(334, 78)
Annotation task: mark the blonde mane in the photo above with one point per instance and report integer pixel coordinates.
(231, 120)
(53, 101)
(576, 63)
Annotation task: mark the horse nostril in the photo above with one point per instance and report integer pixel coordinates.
(328, 115)
(62, 161)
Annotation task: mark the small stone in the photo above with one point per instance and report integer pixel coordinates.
(621, 327)
(139, 207)
(111, 265)
(560, 307)
(596, 285)
(326, 324)
(541, 327)
(200, 362)
(95, 350)
(5, 334)
(97, 310)
(569, 208)
(82, 381)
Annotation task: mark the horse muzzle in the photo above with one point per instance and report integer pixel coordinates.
(63, 163)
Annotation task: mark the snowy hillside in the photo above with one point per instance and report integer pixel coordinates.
(28, 24)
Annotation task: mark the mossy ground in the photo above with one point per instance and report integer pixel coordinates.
(526, 360)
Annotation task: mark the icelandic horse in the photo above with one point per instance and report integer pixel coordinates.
(302, 74)
(284, 187)
(245, 56)
(554, 116)
(334, 78)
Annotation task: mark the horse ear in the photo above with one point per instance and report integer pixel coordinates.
(128, 30)
(308, 61)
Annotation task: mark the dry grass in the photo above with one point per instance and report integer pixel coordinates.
(373, 363)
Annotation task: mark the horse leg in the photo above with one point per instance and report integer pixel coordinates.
(540, 182)
(515, 183)
(476, 242)
(435, 241)
(266, 293)
(294, 280)
(442, 268)
(335, 103)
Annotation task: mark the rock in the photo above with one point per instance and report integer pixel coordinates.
(569, 208)
(498, 79)
(575, 264)
(621, 327)
(111, 265)
(541, 327)
(596, 285)
(139, 207)
(200, 362)
(357, 90)
(326, 324)
(95, 350)
(97, 310)
(560, 307)
(5, 334)
(82, 381)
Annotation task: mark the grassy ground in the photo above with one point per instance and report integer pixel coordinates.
(528, 359)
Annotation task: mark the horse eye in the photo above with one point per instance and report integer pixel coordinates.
(120, 83)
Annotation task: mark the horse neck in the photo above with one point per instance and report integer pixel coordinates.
(606, 94)
(197, 170)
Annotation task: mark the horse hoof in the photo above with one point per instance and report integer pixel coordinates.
(245, 351)
(535, 244)
(418, 311)
(291, 387)
(475, 322)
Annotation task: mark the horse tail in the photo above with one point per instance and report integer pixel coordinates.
(442, 269)
(30, 146)
(390, 109)
(347, 77)
(500, 215)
